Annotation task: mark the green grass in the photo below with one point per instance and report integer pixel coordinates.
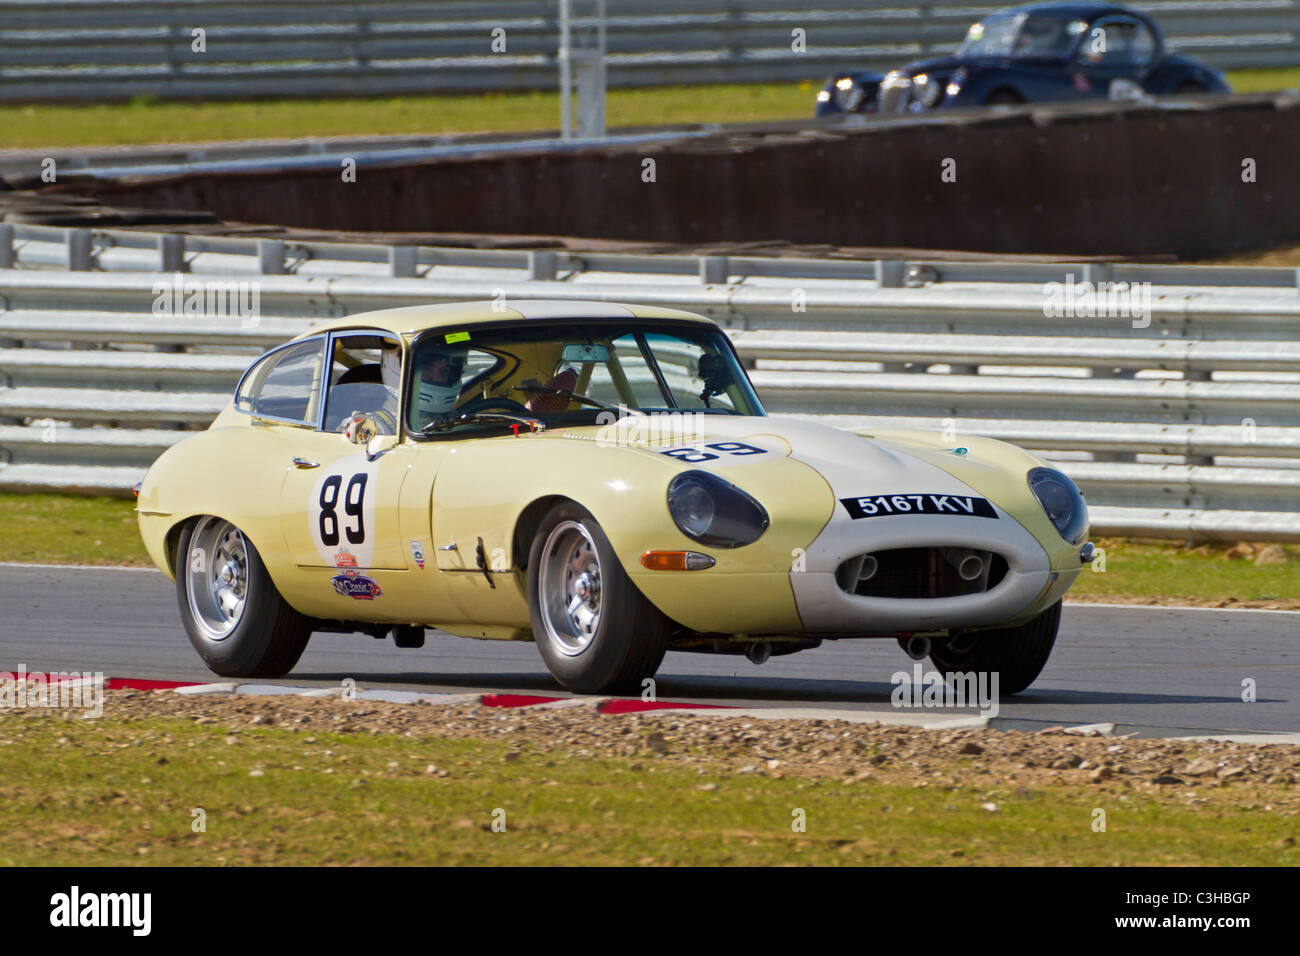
(1174, 573)
(1264, 81)
(113, 792)
(64, 529)
(37, 126)
(149, 120)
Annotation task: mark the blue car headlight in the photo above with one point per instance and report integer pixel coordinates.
(926, 90)
(956, 82)
(1062, 502)
(714, 512)
(848, 95)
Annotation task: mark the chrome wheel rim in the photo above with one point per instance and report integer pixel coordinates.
(569, 588)
(216, 578)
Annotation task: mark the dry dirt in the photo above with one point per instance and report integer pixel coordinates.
(777, 748)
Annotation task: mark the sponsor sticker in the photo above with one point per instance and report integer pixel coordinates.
(345, 559)
(880, 506)
(417, 553)
(356, 585)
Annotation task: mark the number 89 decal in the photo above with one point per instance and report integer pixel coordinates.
(352, 506)
(718, 449)
(341, 512)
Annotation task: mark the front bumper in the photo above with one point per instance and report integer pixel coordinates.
(1026, 587)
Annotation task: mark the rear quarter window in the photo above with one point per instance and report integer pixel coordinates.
(285, 384)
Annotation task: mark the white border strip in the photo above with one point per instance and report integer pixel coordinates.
(1182, 607)
(76, 567)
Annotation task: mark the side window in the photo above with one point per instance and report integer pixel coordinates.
(684, 366)
(365, 377)
(1144, 44)
(1118, 43)
(285, 384)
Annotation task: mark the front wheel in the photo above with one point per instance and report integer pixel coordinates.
(235, 617)
(596, 632)
(1016, 654)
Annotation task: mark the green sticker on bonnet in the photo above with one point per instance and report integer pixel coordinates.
(457, 337)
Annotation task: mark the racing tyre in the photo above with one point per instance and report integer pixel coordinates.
(595, 630)
(1017, 654)
(234, 616)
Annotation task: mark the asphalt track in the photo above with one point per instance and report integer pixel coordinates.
(1150, 670)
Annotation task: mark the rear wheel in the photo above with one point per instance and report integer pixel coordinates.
(1189, 88)
(595, 630)
(1016, 654)
(233, 614)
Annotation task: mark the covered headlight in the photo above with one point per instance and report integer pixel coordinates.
(925, 90)
(1062, 502)
(956, 82)
(848, 95)
(714, 512)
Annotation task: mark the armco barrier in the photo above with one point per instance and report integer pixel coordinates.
(1181, 422)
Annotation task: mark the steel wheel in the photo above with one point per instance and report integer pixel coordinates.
(596, 632)
(217, 578)
(569, 587)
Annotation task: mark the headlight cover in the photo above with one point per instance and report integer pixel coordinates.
(1062, 502)
(714, 512)
(848, 95)
(956, 82)
(926, 90)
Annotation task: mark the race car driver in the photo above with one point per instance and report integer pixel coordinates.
(438, 383)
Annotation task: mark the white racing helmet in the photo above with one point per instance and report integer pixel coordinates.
(390, 369)
(438, 385)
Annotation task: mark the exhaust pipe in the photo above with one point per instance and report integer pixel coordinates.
(758, 652)
(969, 564)
(917, 647)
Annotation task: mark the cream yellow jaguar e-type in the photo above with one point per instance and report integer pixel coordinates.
(603, 480)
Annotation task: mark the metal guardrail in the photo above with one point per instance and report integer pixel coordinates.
(116, 49)
(1182, 423)
(77, 249)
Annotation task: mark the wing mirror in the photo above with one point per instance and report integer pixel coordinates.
(380, 444)
(362, 429)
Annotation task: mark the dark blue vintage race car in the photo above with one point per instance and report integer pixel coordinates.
(1031, 53)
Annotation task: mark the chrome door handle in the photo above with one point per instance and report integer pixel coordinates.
(306, 463)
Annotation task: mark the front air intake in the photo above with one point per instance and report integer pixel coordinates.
(921, 573)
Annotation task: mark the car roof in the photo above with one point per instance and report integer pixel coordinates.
(1081, 11)
(413, 319)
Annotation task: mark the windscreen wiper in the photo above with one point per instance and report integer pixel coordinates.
(471, 417)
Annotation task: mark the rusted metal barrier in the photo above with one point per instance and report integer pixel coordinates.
(1196, 178)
